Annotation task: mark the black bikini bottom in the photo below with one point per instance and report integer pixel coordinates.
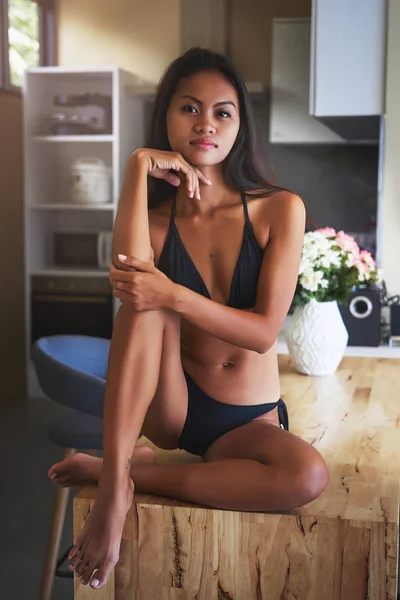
(207, 419)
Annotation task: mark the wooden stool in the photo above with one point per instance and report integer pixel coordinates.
(342, 546)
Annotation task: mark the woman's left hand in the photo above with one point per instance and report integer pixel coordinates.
(142, 288)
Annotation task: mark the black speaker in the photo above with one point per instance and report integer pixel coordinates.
(362, 316)
(395, 320)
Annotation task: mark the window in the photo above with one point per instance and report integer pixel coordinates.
(26, 39)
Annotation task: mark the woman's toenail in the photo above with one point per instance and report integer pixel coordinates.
(53, 475)
(95, 583)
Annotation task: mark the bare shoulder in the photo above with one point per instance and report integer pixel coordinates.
(282, 202)
(276, 212)
(288, 219)
(285, 204)
(285, 211)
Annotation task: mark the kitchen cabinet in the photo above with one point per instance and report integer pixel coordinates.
(290, 121)
(348, 45)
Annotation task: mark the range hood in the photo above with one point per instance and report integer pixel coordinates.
(361, 130)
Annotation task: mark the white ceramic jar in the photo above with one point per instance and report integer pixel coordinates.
(90, 181)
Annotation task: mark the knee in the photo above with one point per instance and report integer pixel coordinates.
(312, 479)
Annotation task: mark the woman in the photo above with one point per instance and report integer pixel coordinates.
(206, 279)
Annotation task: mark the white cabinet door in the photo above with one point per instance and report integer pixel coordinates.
(348, 58)
(290, 121)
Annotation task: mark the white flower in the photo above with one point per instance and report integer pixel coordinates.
(305, 265)
(350, 260)
(324, 283)
(311, 252)
(331, 258)
(318, 252)
(310, 280)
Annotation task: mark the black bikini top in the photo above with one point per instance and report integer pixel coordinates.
(177, 264)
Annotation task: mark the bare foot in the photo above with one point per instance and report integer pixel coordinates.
(81, 469)
(97, 547)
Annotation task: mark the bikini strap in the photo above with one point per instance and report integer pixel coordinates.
(246, 212)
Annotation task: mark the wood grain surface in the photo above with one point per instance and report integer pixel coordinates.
(343, 546)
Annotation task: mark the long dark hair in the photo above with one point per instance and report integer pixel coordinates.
(244, 166)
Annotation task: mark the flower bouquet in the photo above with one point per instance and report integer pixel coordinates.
(332, 265)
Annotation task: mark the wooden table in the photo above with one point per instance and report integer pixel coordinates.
(342, 546)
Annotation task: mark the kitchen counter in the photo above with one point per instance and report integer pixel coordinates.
(343, 545)
(382, 351)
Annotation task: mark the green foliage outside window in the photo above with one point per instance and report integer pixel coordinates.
(23, 37)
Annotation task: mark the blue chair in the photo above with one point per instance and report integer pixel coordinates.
(71, 370)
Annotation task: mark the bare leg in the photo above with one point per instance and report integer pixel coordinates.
(81, 470)
(230, 483)
(137, 355)
(132, 382)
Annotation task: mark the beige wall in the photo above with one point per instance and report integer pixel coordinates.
(251, 33)
(390, 206)
(141, 36)
(12, 352)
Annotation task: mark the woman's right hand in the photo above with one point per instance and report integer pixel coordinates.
(159, 165)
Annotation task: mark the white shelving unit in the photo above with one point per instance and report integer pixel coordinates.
(48, 160)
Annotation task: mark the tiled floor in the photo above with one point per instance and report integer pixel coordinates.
(26, 499)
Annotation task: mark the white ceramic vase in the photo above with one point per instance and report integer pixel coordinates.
(317, 338)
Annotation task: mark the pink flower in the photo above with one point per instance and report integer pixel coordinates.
(363, 271)
(367, 258)
(347, 243)
(327, 232)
